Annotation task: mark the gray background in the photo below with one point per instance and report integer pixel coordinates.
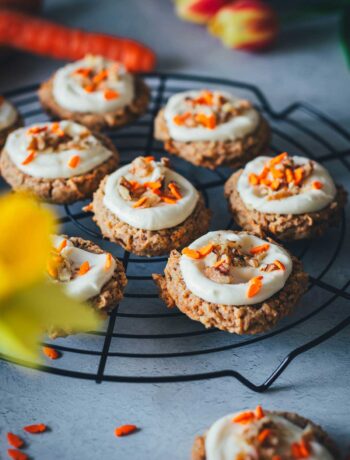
(308, 66)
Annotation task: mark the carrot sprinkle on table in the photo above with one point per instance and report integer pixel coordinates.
(259, 249)
(192, 253)
(108, 262)
(244, 417)
(35, 429)
(140, 202)
(29, 158)
(17, 454)
(263, 435)
(74, 161)
(317, 185)
(125, 430)
(84, 268)
(14, 440)
(254, 287)
(51, 353)
(110, 94)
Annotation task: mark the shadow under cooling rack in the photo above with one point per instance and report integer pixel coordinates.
(141, 334)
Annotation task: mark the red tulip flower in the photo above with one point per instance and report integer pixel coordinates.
(200, 11)
(245, 24)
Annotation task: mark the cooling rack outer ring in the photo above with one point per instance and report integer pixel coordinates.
(160, 83)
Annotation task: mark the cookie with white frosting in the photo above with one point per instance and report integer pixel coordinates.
(212, 128)
(288, 197)
(60, 162)
(87, 273)
(149, 209)
(10, 119)
(234, 281)
(264, 435)
(95, 92)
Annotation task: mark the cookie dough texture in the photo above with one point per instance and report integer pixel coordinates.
(198, 449)
(111, 293)
(243, 319)
(212, 154)
(97, 121)
(285, 227)
(60, 190)
(148, 242)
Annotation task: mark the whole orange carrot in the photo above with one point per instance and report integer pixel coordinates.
(40, 36)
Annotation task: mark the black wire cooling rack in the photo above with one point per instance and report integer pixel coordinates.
(146, 343)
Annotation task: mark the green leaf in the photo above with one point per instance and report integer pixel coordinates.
(26, 316)
(345, 33)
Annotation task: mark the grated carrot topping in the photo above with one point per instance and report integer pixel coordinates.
(278, 159)
(253, 179)
(279, 264)
(181, 118)
(298, 175)
(108, 262)
(317, 185)
(277, 173)
(192, 253)
(125, 430)
(259, 412)
(254, 286)
(244, 417)
(17, 454)
(169, 200)
(258, 249)
(110, 94)
(289, 175)
(90, 88)
(149, 158)
(35, 429)
(74, 161)
(62, 245)
(36, 129)
(275, 184)
(29, 158)
(100, 76)
(52, 269)
(88, 207)
(264, 173)
(56, 129)
(140, 202)
(208, 121)
(205, 250)
(175, 190)
(51, 353)
(153, 185)
(84, 268)
(300, 450)
(219, 262)
(83, 71)
(14, 440)
(263, 435)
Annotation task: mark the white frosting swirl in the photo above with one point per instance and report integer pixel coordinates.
(53, 165)
(307, 200)
(90, 284)
(236, 128)
(157, 217)
(70, 95)
(193, 271)
(8, 114)
(225, 440)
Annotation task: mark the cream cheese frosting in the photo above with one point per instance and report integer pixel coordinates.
(235, 128)
(48, 163)
(307, 199)
(227, 440)
(90, 284)
(70, 93)
(195, 271)
(159, 216)
(8, 114)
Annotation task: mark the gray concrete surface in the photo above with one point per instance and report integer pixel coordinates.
(307, 66)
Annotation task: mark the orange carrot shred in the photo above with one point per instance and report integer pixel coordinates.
(29, 158)
(90, 88)
(253, 179)
(110, 94)
(83, 71)
(100, 76)
(108, 262)
(181, 118)
(205, 250)
(274, 161)
(264, 173)
(125, 430)
(88, 207)
(36, 129)
(192, 253)
(169, 200)
(275, 184)
(62, 245)
(244, 417)
(258, 249)
(35, 429)
(14, 440)
(140, 202)
(277, 173)
(254, 287)
(263, 435)
(17, 454)
(298, 175)
(56, 128)
(84, 268)
(279, 264)
(74, 161)
(175, 190)
(51, 353)
(289, 175)
(219, 262)
(153, 185)
(317, 185)
(259, 413)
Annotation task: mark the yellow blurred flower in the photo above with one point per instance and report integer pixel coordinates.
(29, 303)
